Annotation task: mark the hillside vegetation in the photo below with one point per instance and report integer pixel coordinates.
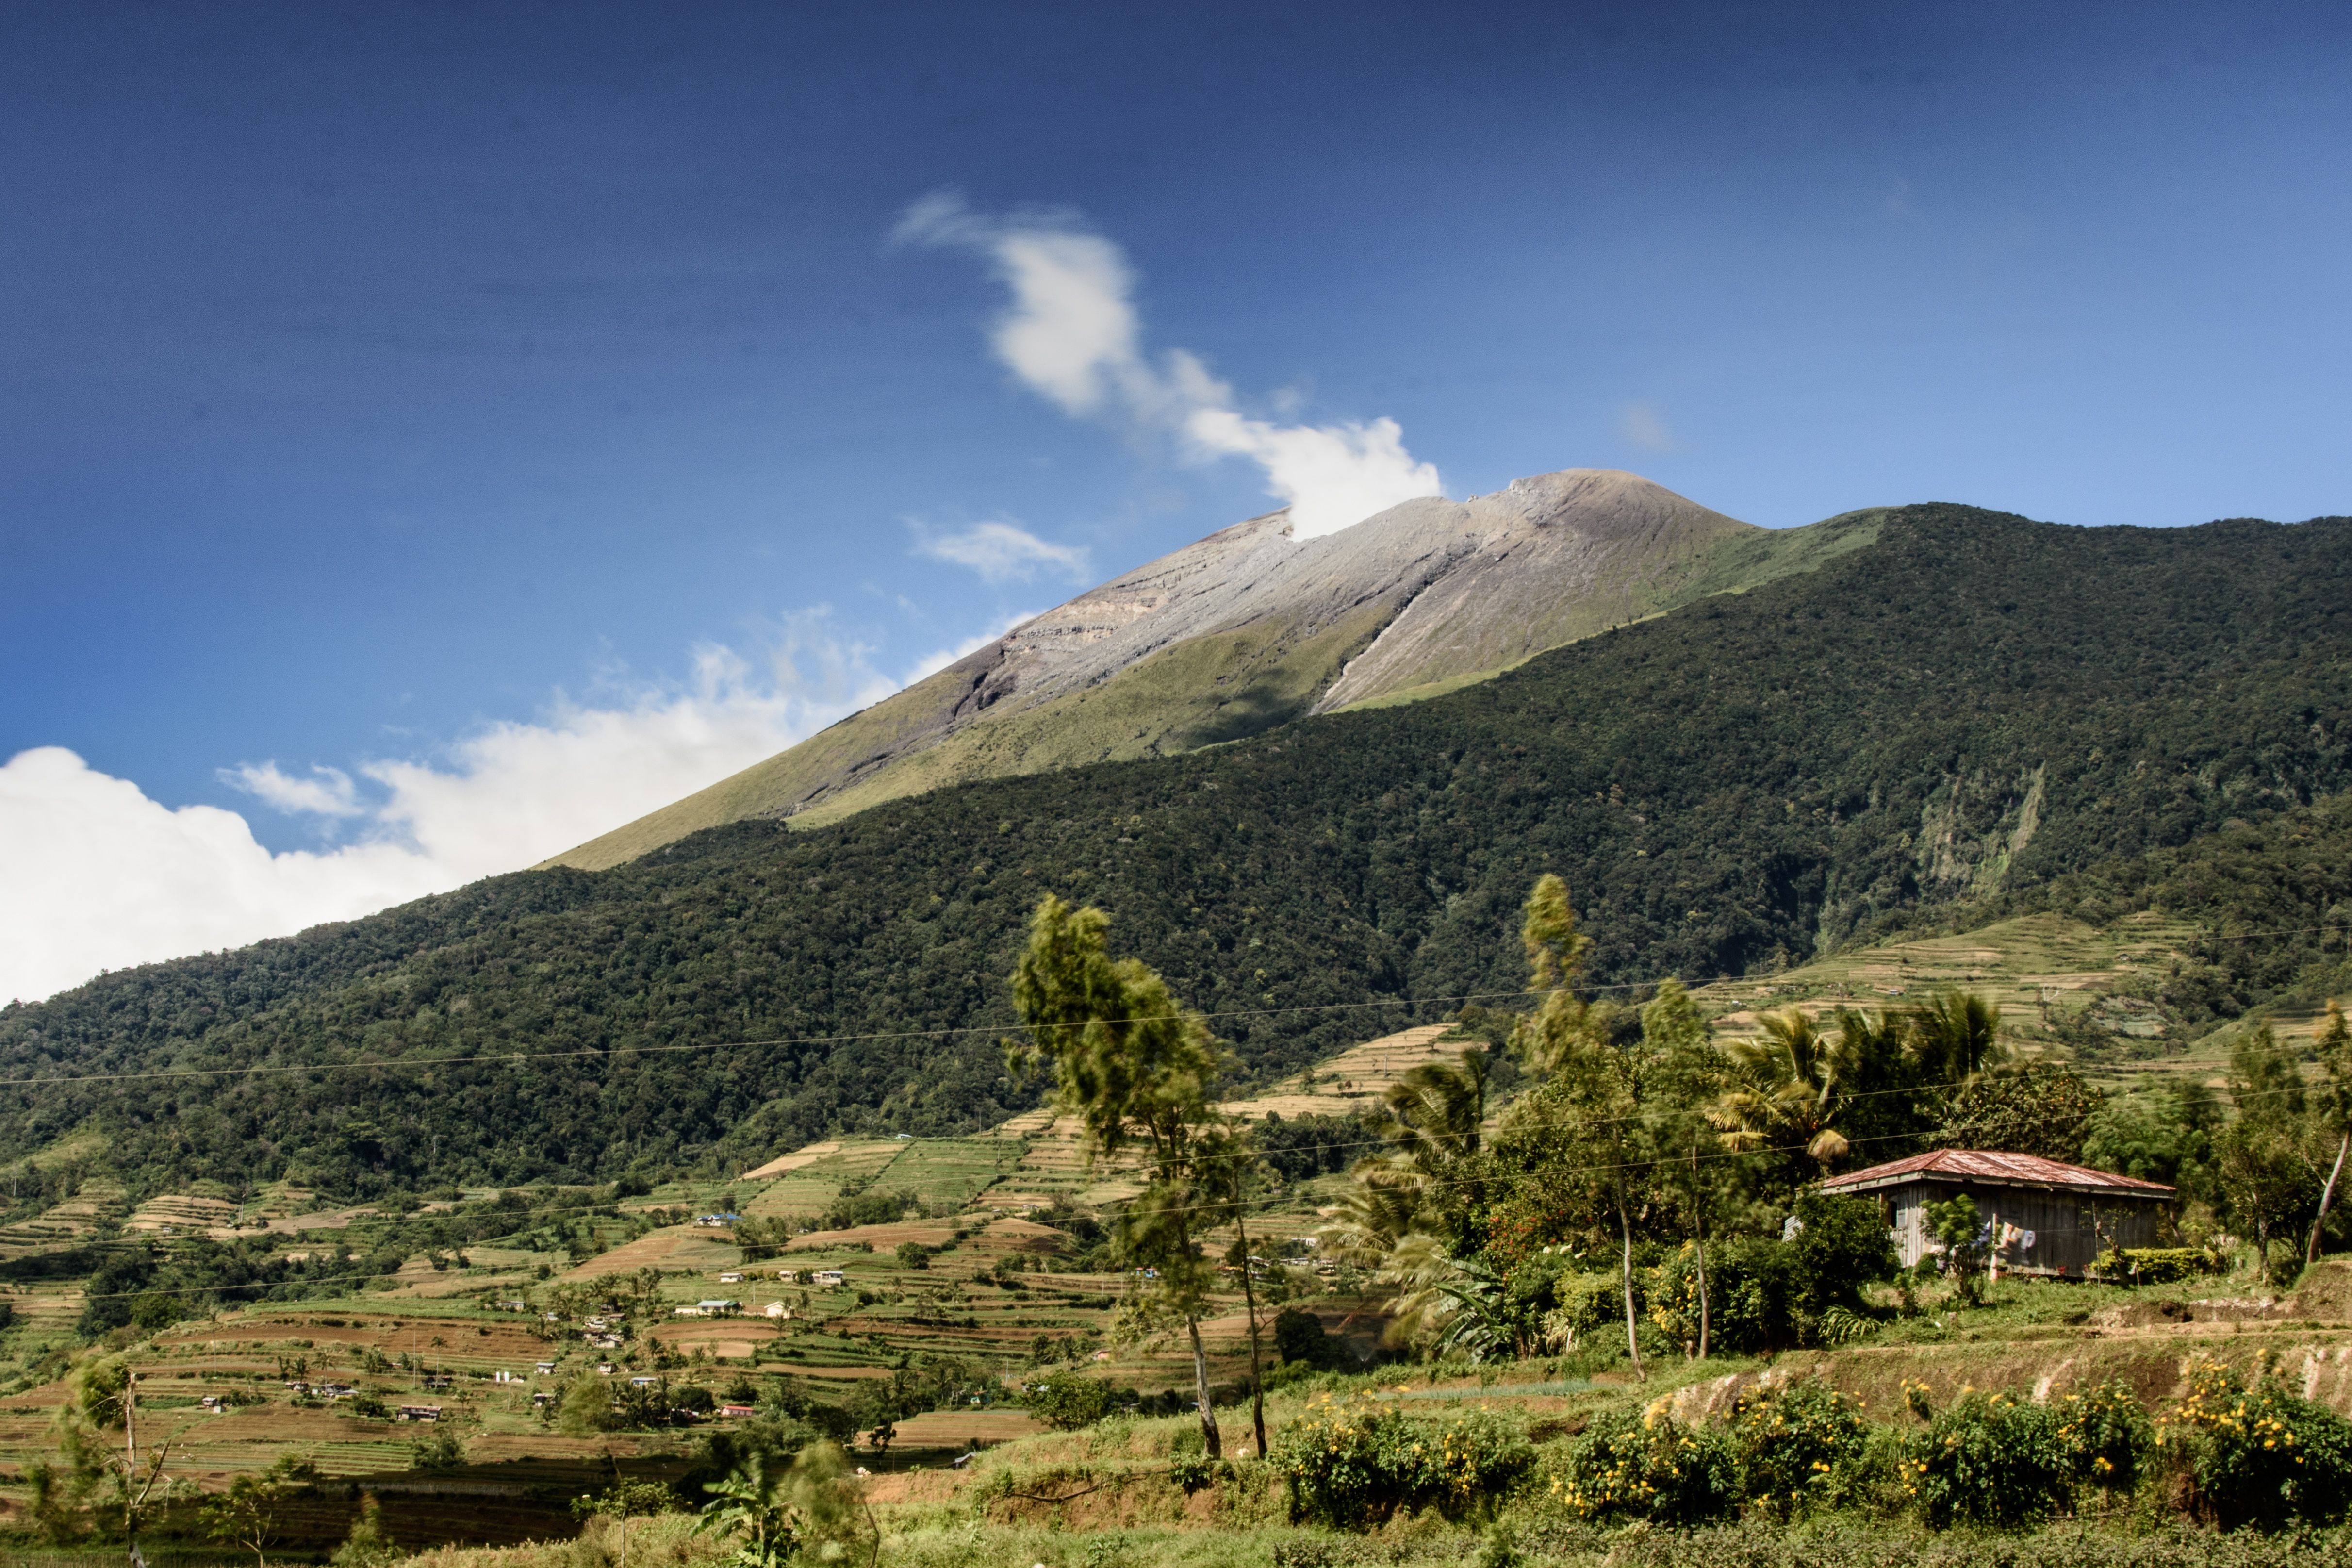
(1250, 628)
(1969, 709)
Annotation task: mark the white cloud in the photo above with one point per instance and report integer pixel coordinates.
(1071, 334)
(1001, 552)
(102, 877)
(327, 793)
(1332, 476)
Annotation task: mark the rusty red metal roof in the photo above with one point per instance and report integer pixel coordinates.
(1991, 1166)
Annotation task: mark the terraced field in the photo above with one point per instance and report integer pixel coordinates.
(2039, 970)
(98, 1203)
(180, 1213)
(1351, 1083)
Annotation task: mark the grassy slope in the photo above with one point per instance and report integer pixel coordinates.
(782, 782)
(1756, 777)
(2036, 1338)
(1199, 692)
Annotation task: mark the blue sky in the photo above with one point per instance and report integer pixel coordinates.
(520, 412)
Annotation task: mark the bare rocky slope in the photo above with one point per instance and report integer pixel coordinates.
(1249, 628)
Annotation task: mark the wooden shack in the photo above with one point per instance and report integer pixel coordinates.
(2042, 1216)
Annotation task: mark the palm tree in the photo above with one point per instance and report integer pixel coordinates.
(1436, 1114)
(1454, 1303)
(1956, 1036)
(1436, 1111)
(1792, 1085)
(1378, 1212)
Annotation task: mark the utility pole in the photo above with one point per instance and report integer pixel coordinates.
(130, 1459)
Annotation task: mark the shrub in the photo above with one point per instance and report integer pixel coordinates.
(2256, 1455)
(854, 1209)
(1798, 1446)
(1841, 1245)
(1989, 1460)
(1956, 1225)
(1747, 1297)
(1647, 1466)
(1353, 1466)
(1860, 1544)
(1068, 1403)
(2106, 1435)
(1565, 1309)
(441, 1451)
(1299, 1341)
(2155, 1265)
(1771, 1295)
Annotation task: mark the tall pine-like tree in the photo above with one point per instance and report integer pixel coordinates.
(1134, 1065)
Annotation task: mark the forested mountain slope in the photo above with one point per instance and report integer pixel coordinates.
(1973, 704)
(1249, 628)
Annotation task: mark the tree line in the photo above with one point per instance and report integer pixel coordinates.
(2003, 704)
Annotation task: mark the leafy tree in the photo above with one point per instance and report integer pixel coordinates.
(1956, 1223)
(586, 1406)
(1299, 1340)
(441, 1451)
(103, 1393)
(1841, 1245)
(1592, 1085)
(247, 1514)
(1068, 1402)
(2167, 1138)
(1301, 1148)
(1687, 1070)
(2035, 1109)
(2267, 1177)
(1226, 1166)
(368, 1544)
(1134, 1065)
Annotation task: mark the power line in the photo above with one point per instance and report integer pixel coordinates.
(878, 1037)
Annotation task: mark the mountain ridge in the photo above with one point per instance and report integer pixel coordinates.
(1247, 629)
(1727, 788)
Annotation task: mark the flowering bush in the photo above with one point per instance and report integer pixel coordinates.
(2256, 1454)
(1986, 1459)
(1647, 1466)
(1352, 1465)
(2106, 1435)
(2155, 1265)
(1797, 1445)
(1748, 1290)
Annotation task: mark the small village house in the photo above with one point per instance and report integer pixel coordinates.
(2042, 1216)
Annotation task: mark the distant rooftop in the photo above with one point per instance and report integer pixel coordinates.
(1988, 1166)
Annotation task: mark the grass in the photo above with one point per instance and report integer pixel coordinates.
(2030, 1336)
